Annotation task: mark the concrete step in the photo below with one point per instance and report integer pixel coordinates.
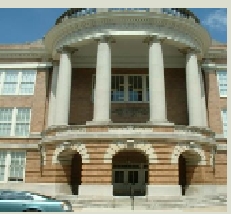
(144, 203)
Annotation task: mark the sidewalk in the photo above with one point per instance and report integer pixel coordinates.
(196, 209)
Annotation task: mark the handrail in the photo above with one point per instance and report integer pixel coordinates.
(132, 197)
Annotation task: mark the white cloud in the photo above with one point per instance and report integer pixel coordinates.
(216, 20)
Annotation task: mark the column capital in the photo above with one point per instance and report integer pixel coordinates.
(188, 50)
(66, 49)
(154, 38)
(108, 39)
(55, 62)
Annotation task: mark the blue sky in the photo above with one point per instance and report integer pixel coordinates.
(20, 25)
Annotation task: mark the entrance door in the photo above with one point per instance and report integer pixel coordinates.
(129, 180)
(133, 177)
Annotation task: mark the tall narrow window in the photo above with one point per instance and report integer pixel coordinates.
(12, 165)
(27, 82)
(5, 121)
(222, 81)
(10, 83)
(17, 164)
(147, 88)
(117, 88)
(22, 122)
(135, 88)
(3, 155)
(224, 118)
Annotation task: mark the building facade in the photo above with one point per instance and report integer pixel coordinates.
(115, 101)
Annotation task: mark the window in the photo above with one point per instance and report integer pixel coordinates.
(117, 88)
(119, 177)
(12, 166)
(128, 88)
(17, 82)
(14, 121)
(222, 81)
(224, 119)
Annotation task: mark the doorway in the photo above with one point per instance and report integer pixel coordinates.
(76, 173)
(130, 173)
(182, 174)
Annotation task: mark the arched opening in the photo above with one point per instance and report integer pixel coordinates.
(71, 162)
(130, 173)
(187, 163)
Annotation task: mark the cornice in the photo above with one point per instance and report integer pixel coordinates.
(218, 53)
(76, 30)
(22, 53)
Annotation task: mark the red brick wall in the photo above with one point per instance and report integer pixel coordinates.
(82, 105)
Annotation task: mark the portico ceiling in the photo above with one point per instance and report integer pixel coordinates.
(127, 52)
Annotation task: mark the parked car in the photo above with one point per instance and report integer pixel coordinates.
(24, 201)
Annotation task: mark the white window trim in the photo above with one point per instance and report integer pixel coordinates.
(7, 168)
(126, 88)
(218, 82)
(19, 81)
(13, 122)
(224, 135)
(32, 65)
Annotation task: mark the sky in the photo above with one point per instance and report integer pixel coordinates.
(20, 25)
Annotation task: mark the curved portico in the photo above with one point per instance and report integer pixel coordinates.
(151, 55)
(116, 81)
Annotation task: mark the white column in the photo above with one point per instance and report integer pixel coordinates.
(203, 101)
(193, 90)
(52, 96)
(156, 82)
(63, 89)
(102, 99)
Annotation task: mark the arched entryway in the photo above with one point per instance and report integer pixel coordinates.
(130, 173)
(71, 162)
(187, 163)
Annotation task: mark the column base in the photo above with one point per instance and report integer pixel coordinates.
(95, 190)
(95, 123)
(160, 123)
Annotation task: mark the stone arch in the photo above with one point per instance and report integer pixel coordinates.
(180, 148)
(79, 147)
(116, 147)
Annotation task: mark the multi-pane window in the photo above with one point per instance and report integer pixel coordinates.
(14, 121)
(27, 82)
(117, 88)
(12, 165)
(222, 81)
(17, 82)
(135, 88)
(128, 88)
(224, 118)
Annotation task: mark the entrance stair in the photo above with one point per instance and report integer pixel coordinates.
(144, 203)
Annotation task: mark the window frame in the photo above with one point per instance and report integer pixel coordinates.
(224, 123)
(218, 72)
(14, 122)
(19, 81)
(126, 76)
(8, 164)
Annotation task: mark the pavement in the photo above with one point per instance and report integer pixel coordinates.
(196, 209)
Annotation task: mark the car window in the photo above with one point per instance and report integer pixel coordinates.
(41, 197)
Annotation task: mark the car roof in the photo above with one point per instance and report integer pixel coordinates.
(12, 192)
